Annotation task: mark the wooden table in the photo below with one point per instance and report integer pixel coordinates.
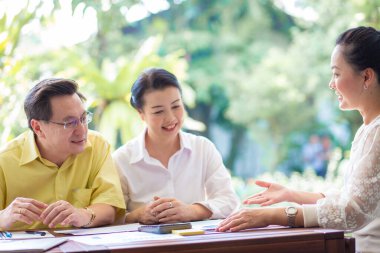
(315, 240)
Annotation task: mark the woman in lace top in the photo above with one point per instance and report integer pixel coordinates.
(355, 80)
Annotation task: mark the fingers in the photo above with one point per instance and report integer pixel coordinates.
(239, 226)
(262, 183)
(56, 213)
(144, 214)
(243, 219)
(22, 215)
(38, 204)
(172, 211)
(169, 210)
(26, 210)
(147, 218)
(167, 213)
(62, 215)
(34, 208)
(235, 224)
(30, 204)
(171, 219)
(53, 208)
(268, 202)
(158, 201)
(256, 199)
(30, 215)
(69, 220)
(229, 219)
(163, 204)
(230, 223)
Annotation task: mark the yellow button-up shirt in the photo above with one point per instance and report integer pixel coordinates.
(83, 179)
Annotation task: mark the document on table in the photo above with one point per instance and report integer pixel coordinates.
(206, 224)
(31, 245)
(28, 235)
(121, 238)
(100, 230)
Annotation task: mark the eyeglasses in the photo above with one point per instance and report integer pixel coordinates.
(73, 123)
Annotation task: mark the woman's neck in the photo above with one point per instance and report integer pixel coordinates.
(371, 105)
(162, 148)
(371, 109)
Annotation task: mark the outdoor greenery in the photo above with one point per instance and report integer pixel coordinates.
(255, 69)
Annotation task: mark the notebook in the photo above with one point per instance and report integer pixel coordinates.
(30, 245)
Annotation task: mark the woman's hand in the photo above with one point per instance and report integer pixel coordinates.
(172, 210)
(145, 215)
(244, 219)
(21, 209)
(275, 193)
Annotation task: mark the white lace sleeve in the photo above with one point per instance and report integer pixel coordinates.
(359, 200)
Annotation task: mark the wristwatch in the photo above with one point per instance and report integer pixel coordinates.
(291, 212)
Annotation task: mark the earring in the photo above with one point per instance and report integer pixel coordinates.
(365, 87)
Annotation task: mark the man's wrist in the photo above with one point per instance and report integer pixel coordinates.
(92, 217)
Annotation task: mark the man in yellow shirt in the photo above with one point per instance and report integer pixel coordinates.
(60, 173)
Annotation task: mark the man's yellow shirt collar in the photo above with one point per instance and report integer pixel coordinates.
(31, 152)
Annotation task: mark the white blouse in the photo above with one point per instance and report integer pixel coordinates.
(356, 206)
(195, 174)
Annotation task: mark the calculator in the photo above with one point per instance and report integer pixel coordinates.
(164, 228)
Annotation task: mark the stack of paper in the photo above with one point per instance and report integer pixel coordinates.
(30, 245)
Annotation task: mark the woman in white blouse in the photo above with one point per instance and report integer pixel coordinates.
(168, 175)
(355, 80)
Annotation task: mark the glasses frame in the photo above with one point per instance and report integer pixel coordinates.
(72, 124)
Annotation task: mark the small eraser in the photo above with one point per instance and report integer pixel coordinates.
(190, 231)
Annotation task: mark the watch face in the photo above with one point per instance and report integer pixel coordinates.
(291, 210)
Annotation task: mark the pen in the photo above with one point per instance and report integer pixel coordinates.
(210, 227)
(7, 234)
(36, 233)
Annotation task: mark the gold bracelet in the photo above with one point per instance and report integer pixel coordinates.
(93, 216)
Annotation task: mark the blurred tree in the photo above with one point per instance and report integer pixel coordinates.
(222, 39)
(108, 86)
(12, 69)
(282, 94)
(106, 66)
(255, 65)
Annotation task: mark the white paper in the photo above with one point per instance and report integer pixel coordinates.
(31, 245)
(121, 238)
(23, 235)
(206, 224)
(100, 230)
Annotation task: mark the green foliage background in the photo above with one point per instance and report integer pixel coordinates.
(251, 67)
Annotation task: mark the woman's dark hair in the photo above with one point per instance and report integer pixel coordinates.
(37, 102)
(149, 80)
(361, 48)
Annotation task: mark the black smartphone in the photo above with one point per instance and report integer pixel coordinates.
(164, 228)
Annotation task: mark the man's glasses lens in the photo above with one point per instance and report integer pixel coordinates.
(75, 122)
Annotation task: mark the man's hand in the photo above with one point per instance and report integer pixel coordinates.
(62, 212)
(21, 209)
